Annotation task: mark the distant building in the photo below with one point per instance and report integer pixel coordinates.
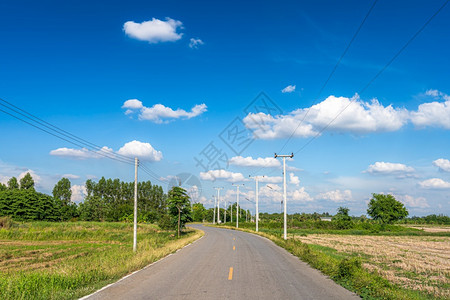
(327, 219)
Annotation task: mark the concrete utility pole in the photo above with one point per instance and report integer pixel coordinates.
(225, 213)
(214, 214)
(256, 196)
(284, 189)
(136, 162)
(231, 214)
(218, 203)
(237, 204)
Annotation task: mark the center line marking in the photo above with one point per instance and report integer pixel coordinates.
(234, 239)
(234, 248)
(230, 274)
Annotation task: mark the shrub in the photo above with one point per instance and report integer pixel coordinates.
(6, 222)
(166, 223)
(348, 267)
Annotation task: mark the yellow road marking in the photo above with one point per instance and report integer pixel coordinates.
(234, 248)
(230, 274)
(234, 239)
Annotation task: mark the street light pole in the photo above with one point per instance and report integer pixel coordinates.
(237, 203)
(214, 213)
(218, 203)
(256, 196)
(136, 163)
(284, 190)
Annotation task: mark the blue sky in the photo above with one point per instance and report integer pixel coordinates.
(170, 81)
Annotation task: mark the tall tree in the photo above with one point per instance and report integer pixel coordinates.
(13, 184)
(62, 191)
(386, 209)
(3, 187)
(179, 206)
(27, 182)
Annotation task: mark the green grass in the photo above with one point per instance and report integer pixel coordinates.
(344, 268)
(43, 260)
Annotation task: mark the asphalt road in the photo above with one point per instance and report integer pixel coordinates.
(227, 264)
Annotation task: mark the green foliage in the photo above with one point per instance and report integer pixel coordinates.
(5, 222)
(342, 219)
(165, 222)
(179, 207)
(3, 187)
(27, 182)
(386, 209)
(198, 212)
(348, 267)
(62, 191)
(430, 219)
(28, 205)
(13, 184)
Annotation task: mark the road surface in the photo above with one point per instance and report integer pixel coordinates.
(227, 264)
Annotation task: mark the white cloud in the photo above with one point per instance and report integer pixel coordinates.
(133, 104)
(154, 31)
(434, 114)
(300, 195)
(195, 43)
(213, 175)
(294, 179)
(78, 193)
(442, 164)
(70, 176)
(357, 117)
(288, 89)
(434, 183)
(249, 161)
(159, 113)
(389, 168)
(143, 151)
(271, 179)
(336, 196)
(410, 201)
(36, 177)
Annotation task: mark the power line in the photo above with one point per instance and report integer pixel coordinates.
(58, 132)
(327, 80)
(376, 75)
(64, 139)
(332, 73)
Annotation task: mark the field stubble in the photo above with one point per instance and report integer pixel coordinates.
(415, 262)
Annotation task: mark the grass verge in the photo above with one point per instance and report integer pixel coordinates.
(43, 260)
(345, 269)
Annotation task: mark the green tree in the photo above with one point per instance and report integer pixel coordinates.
(386, 209)
(13, 184)
(198, 212)
(27, 182)
(179, 207)
(62, 191)
(3, 187)
(342, 219)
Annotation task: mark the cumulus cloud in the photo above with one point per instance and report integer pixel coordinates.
(288, 89)
(433, 114)
(271, 179)
(159, 113)
(336, 196)
(143, 151)
(293, 179)
(415, 202)
(36, 177)
(387, 168)
(195, 43)
(442, 164)
(356, 116)
(252, 162)
(434, 183)
(300, 195)
(154, 31)
(70, 176)
(213, 175)
(133, 104)
(78, 193)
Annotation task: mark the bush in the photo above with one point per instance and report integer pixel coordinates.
(348, 267)
(166, 223)
(6, 222)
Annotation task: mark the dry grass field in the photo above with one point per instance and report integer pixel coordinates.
(414, 262)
